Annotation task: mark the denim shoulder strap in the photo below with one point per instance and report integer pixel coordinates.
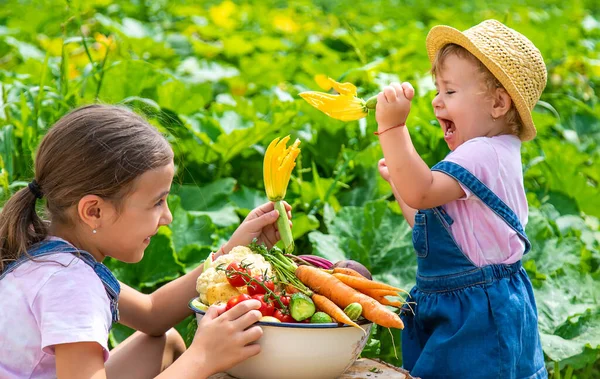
(44, 248)
(486, 195)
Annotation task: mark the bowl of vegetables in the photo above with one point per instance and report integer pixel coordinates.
(295, 350)
(317, 316)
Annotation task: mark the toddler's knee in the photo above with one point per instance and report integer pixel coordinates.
(174, 343)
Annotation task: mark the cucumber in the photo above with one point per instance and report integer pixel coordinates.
(301, 307)
(353, 311)
(320, 318)
(200, 305)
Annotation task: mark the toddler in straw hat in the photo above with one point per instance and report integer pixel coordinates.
(475, 316)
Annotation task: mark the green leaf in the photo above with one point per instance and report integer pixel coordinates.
(303, 223)
(157, 266)
(211, 200)
(181, 98)
(246, 199)
(188, 229)
(576, 342)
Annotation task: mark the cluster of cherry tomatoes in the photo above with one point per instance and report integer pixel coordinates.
(272, 303)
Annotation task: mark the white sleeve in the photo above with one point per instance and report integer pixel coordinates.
(72, 306)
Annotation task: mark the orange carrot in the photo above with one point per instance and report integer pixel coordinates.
(364, 283)
(384, 301)
(342, 295)
(289, 289)
(347, 271)
(329, 307)
(374, 293)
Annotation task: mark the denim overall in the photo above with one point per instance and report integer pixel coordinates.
(469, 321)
(111, 285)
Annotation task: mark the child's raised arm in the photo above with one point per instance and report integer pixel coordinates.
(407, 212)
(417, 185)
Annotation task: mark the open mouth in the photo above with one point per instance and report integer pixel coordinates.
(448, 127)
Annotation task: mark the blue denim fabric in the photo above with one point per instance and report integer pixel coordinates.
(111, 284)
(469, 321)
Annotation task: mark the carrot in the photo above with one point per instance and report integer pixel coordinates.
(374, 293)
(342, 295)
(384, 301)
(380, 295)
(347, 271)
(364, 283)
(329, 307)
(289, 289)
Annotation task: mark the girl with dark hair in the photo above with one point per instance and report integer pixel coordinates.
(105, 174)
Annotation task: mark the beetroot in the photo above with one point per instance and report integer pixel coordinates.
(356, 266)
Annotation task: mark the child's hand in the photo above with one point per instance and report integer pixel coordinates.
(393, 105)
(260, 224)
(383, 170)
(222, 340)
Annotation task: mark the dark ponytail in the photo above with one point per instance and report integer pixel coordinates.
(20, 226)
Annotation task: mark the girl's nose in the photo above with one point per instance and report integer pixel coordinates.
(167, 216)
(437, 101)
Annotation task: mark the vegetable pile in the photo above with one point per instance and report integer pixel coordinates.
(293, 289)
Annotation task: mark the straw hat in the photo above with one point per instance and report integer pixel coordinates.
(510, 57)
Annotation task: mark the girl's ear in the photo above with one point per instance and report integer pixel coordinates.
(91, 210)
(501, 104)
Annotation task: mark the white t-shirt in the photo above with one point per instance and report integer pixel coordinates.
(481, 234)
(58, 299)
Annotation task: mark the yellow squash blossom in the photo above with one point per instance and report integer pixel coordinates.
(344, 106)
(279, 162)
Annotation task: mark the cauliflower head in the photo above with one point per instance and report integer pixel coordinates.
(212, 285)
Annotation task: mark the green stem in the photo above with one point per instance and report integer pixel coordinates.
(371, 102)
(283, 225)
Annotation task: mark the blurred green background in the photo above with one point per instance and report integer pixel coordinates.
(221, 80)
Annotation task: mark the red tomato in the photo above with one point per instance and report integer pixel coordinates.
(256, 289)
(236, 300)
(236, 280)
(283, 317)
(284, 299)
(266, 307)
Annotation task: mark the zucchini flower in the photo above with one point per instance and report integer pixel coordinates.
(345, 106)
(277, 169)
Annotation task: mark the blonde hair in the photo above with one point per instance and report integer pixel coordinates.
(513, 120)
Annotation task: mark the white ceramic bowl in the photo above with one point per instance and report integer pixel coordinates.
(302, 351)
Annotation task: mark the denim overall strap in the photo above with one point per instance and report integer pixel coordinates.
(486, 195)
(44, 248)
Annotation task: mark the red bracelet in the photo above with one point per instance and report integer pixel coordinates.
(393, 127)
(221, 250)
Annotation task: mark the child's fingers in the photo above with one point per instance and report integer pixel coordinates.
(382, 165)
(241, 309)
(251, 335)
(260, 222)
(409, 91)
(247, 319)
(381, 99)
(249, 351)
(214, 311)
(383, 169)
(399, 90)
(390, 94)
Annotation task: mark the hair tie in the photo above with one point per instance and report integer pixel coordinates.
(35, 189)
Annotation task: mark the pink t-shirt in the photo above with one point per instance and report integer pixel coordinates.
(481, 234)
(58, 299)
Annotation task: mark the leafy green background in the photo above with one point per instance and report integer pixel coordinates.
(221, 80)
